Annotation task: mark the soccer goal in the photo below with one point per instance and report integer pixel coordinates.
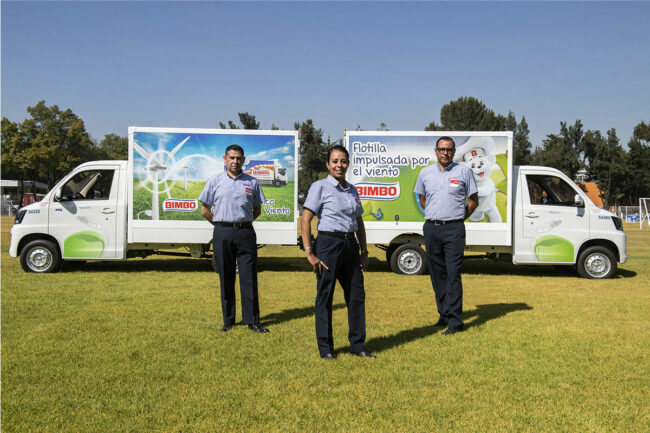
(644, 206)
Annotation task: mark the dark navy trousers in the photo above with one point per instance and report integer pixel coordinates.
(237, 247)
(445, 246)
(342, 258)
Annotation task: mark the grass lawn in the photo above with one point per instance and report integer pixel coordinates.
(134, 346)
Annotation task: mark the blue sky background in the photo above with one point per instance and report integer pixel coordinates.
(182, 64)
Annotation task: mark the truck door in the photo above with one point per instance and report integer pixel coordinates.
(554, 225)
(83, 214)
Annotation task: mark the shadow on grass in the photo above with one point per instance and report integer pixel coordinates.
(491, 267)
(292, 314)
(166, 264)
(478, 316)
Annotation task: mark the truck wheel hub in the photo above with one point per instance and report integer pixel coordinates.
(597, 264)
(39, 259)
(409, 262)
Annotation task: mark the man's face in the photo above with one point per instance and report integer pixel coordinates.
(445, 152)
(234, 161)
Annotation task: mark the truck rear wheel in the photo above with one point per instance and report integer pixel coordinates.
(40, 256)
(596, 263)
(277, 183)
(409, 259)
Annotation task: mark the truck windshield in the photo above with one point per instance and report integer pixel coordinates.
(282, 171)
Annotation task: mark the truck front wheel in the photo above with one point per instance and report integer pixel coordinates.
(40, 256)
(277, 183)
(409, 259)
(596, 263)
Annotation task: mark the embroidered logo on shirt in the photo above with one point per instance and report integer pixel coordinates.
(454, 182)
(248, 190)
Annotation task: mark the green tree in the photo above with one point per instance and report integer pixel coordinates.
(467, 114)
(607, 166)
(638, 164)
(312, 155)
(247, 120)
(113, 146)
(49, 143)
(522, 147)
(561, 150)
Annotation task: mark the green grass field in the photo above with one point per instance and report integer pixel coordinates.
(134, 347)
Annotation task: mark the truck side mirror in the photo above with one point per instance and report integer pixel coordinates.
(57, 195)
(577, 199)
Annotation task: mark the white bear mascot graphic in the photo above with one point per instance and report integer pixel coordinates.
(476, 153)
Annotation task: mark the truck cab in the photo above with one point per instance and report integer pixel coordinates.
(556, 223)
(83, 217)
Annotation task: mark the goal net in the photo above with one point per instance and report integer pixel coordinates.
(644, 206)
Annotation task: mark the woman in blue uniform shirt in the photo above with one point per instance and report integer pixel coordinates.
(335, 254)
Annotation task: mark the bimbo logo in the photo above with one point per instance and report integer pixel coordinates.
(378, 191)
(179, 205)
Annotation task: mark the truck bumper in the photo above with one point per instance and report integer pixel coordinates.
(15, 238)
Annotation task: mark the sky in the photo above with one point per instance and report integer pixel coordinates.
(194, 64)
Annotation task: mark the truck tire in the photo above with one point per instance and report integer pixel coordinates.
(40, 256)
(409, 259)
(596, 263)
(277, 183)
(389, 252)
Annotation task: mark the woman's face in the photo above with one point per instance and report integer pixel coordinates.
(338, 165)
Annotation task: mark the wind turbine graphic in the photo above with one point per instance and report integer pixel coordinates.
(187, 168)
(154, 167)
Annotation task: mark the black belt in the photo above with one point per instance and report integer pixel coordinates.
(343, 235)
(244, 225)
(442, 223)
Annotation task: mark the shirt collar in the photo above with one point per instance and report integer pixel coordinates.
(233, 178)
(448, 168)
(335, 183)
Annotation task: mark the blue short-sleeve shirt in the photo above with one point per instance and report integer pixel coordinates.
(336, 207)
(232, 199)
(445, 190)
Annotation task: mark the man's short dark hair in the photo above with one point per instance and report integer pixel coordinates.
(340, 149)
(235, 147)
(445, 138)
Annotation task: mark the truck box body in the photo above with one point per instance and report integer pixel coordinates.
(384, 167)
(189, 158)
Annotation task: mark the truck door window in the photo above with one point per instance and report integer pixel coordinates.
(550, 190)
(88, 185)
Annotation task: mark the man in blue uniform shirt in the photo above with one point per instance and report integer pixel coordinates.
(442, 189)
(231, 201)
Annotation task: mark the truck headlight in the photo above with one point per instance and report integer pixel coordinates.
(617, 223)
(19, 216)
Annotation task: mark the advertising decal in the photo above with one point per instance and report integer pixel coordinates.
(170, 170)
(384, 169)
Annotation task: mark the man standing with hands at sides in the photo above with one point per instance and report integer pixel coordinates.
(231, 201)
(442, 189)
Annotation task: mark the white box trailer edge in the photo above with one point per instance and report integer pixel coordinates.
(105, 221)
(565, 230)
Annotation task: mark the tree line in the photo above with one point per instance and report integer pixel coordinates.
(52, 141)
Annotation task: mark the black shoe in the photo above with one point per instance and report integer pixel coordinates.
(363, 354)
(440, 323)
(258, 328)
(453, 330)
(328, 356)
(225, 328)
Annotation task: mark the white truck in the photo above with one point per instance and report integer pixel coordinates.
(535, 215)
(114, 210)
(267, 172)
